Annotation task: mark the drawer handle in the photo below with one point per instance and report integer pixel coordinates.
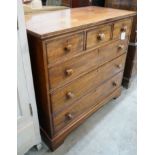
(70, 95)
(69, 72)
(114, 84)
(100, 36)
(119, 66)
(124, 28)
(68, 48)
(121, 47)
(69, 116)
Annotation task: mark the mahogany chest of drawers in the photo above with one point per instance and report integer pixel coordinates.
(77, 58)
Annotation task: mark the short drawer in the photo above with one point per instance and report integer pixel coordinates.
(98, 36)
(122, 26)
(64, 97)
(69, 115)
(67, 71)
(64, 46)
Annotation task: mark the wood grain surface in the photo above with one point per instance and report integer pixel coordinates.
(47, 24)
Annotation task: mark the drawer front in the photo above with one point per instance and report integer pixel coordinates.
(122, 26)
(98, 36)
(87, 102)
(63, 98)
(63, 73)
(111, 51)
(67, 71)
(64, 46)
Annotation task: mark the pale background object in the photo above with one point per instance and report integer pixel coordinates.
(28, 133)
(36, 4)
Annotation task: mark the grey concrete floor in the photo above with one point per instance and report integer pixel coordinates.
(110, 131)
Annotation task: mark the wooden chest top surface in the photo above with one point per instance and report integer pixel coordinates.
(56, 22)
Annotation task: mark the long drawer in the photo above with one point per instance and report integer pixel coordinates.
(87, 102)
(65, 72)
(110, 52)
(64, 97)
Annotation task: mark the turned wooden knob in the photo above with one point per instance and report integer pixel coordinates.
(114, 84)
(69, 72)
(121, 47)
(69, 116)
(119, 66)
(124, 28)
(68, 48)
(70, 95)
(100, 36)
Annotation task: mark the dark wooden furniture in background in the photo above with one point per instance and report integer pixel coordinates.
(43, 2)
(131, 62)
(98, 2)
(78, 63)
(75, 3)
